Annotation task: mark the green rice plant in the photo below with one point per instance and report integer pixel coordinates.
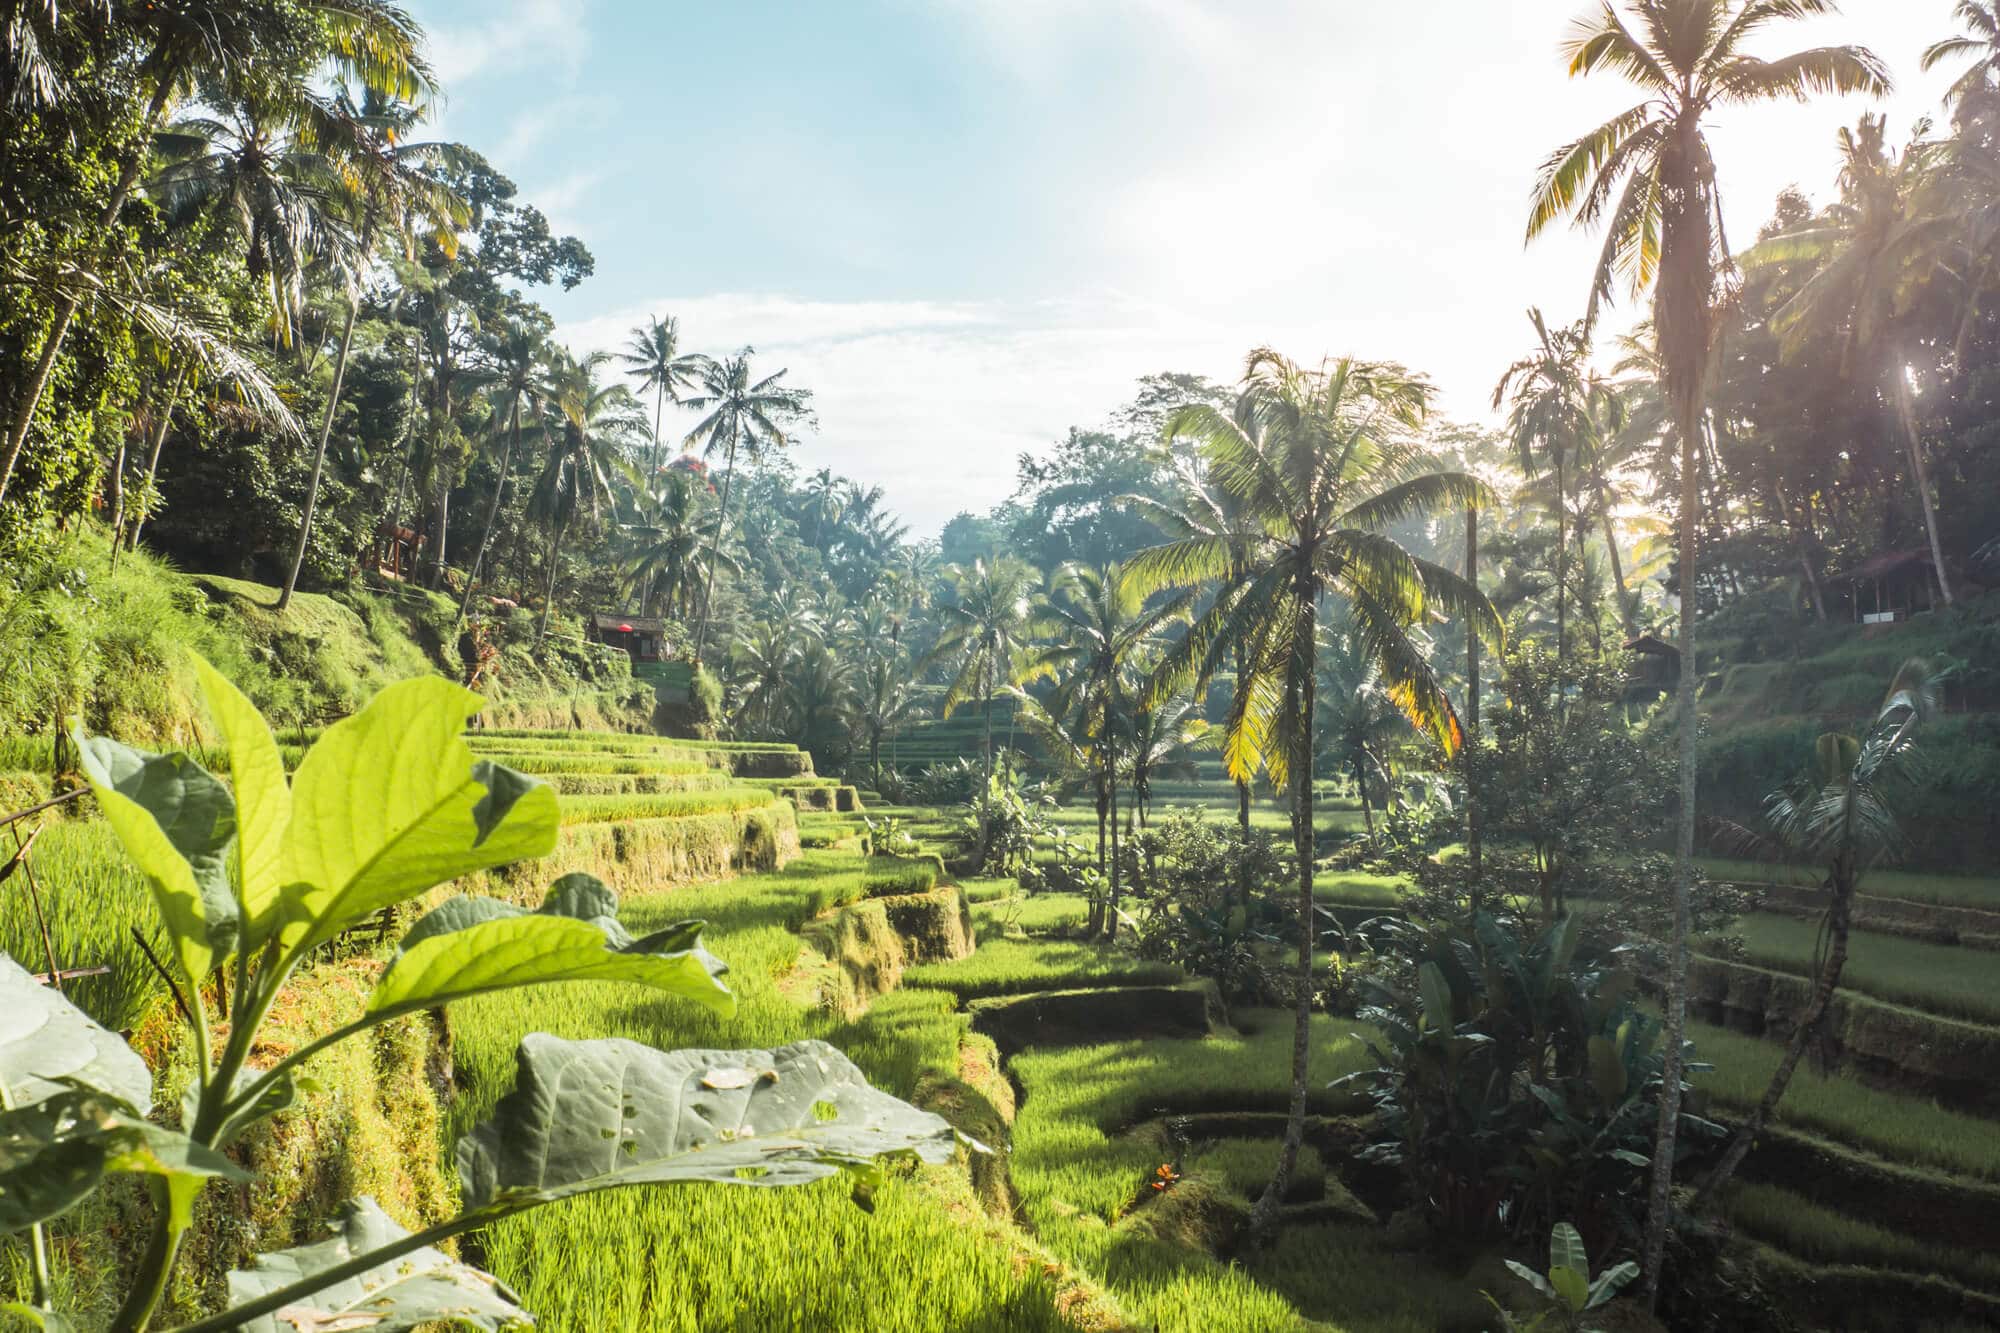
(1084, 1185)
(886, 875)
(636, 784)
(800, 1259)
(92, 897)
(987, 890)
(1358, 888)
(1915, 885)
(1934, 977)
(1035, 913)
(666, 805)
(1899, 1127)
(550, 763)
(1823, 1235)
(1017, 967)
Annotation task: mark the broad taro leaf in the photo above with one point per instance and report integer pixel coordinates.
(390, 802)
(417, 1287)
(55, 1152)
(1610, 1282)
(468, 945)
(591, 1115)
(48, 1045)
(263, 800)
(176, 821)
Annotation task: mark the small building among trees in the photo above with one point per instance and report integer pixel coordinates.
(1893, 586)
(642, 637)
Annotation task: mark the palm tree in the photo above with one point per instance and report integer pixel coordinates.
(671, 526)
(1213, 513)
(654, 357)
(1981, 43)
(1648, 177)
(1100, 626)
(589, 426)
(761, 665)
(886, 699)
(1840, 816)
(1555, 398)
(231, 45)
(386, 182)
(1874, 248)
(1323, 462)
(742, 413)
(516, 353)
(1362, 720)
(1164, 737)
(982, 634)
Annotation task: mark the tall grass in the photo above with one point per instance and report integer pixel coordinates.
(1915, 885)
(1015, 967)
(92, 897)
(1823, 1235)
(663, 805)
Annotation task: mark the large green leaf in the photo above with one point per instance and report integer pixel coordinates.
(55, 1152)
(389, 802)
(48, 1045)
(591, 1115)
(1566, 1249)
(263, 800)
(468, 945)
(176, 821)
(418, 1287)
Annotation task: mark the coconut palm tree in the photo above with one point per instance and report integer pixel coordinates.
(1840, 816)
(1874, 248)
(516, 352)
(746, 413)
(387, 185)
(1162, 743)
(1981, 43)
(1361, 721)
(884, 701)
(1552, 420)
(1323, 460)
(671, 525)
(761, 664)
(1099, 626)
(589, 424)
(655, 358)
(1647, 177)
(983, 630)
(228, 47)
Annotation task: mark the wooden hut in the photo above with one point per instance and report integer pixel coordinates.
(643, 637)
(1892, 586)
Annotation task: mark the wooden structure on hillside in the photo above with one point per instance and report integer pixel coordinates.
(1656, 664)
(642, 637)
(397, 550)
(1893, 586)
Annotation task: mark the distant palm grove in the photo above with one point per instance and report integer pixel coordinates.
(1300, 861)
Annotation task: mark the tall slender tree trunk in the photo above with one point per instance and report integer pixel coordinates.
(1472, 821)
(555, 563)
(52, 341)
(1242, 818)
(1906, 412)
(708, 587)
(444, 531)
(1562, 564)
(1265, 1211)
(1839, 918)
(493, 512)
(986, 675)
(1111, 907)
(115, 483)
(319, 451)
(1361, 786)
(153, 453)
(1625, 618)
(1103, 800)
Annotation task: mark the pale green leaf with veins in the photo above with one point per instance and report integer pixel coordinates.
(390, 802)
(263, 801)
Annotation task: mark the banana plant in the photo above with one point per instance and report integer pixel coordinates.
(252, 877)
(1568, 1286)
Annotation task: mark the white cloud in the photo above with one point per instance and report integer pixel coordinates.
(542, 35)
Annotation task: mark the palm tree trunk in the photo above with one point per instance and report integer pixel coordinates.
(319, 450)
(1659, 1206)
(1562, 568)
(1111, 907)
(708, 588)
(115, 483)
(1625, 619)
(153, 453)
(493, 512)
(986, 763)
(52, 342)
(1097, 904)
(1839, 917)
(1361, 786)
(1472, 829)
(555, 560)
(1265, 1212)
(1906, 411)
(444, 531)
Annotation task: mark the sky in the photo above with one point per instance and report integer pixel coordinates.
(969, 225)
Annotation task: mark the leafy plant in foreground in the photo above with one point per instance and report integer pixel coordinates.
(250, 882)
(1568, 1286)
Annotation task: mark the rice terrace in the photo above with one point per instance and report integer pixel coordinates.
(1127, 666)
